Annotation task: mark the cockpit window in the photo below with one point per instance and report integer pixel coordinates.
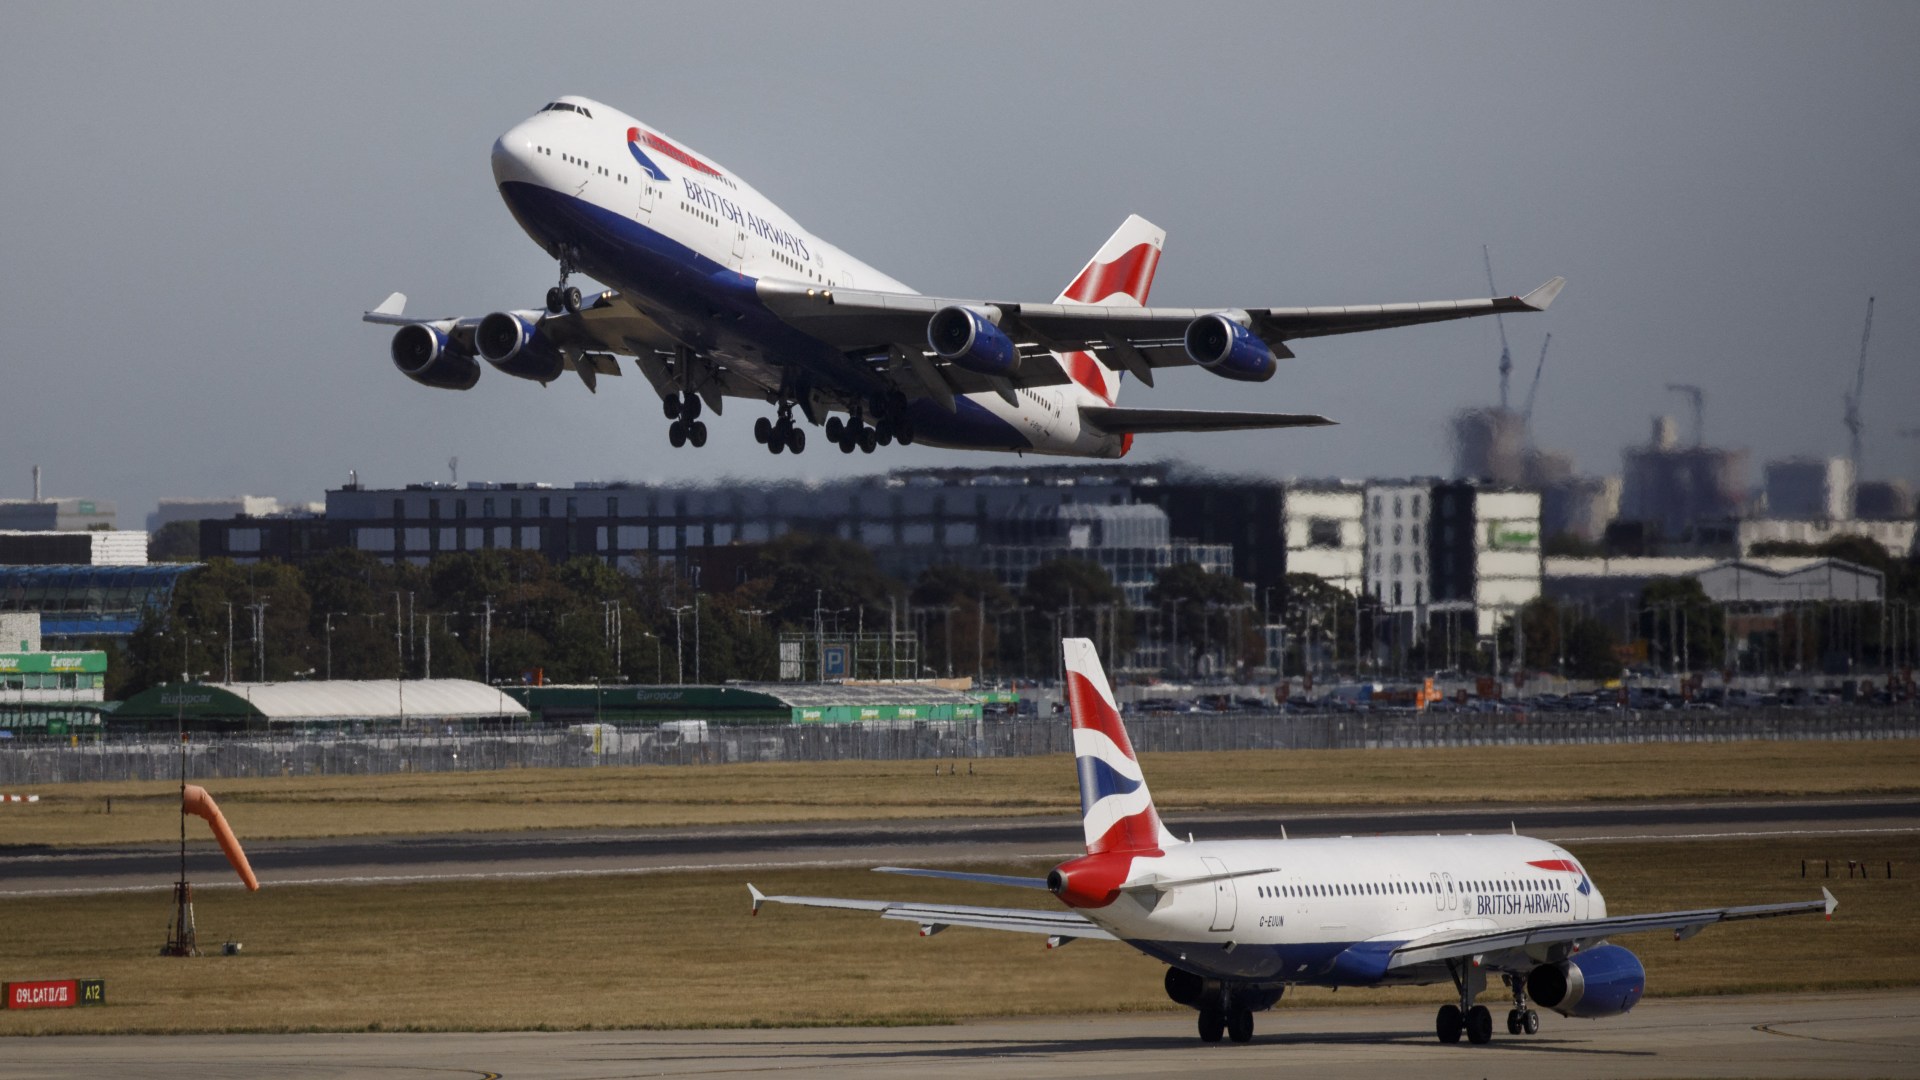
(561, 106)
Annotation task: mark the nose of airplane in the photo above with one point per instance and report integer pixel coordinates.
(513, 156)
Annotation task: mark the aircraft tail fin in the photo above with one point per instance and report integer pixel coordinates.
(1115, 807)
(1120, 274)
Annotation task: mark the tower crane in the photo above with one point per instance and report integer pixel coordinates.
(1699, 397)
(1506, 354)
(1855, 425)
(1526, 413)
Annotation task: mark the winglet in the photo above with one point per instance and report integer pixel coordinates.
(758, 897)
(392, 305)
(1543, 296)
(1831, 902)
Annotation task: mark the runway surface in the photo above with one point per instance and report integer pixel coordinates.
(1873, 1034)
(31, 871)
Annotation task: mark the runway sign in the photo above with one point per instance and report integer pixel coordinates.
(56, 993)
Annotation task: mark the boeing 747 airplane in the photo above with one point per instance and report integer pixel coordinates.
(717, 293)
(1238, 921)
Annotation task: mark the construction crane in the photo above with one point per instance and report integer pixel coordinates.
(1506, 354)
(1699, 397)
(1856, 427)
(1526, 413)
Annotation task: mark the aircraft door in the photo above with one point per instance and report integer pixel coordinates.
(646, 200)
(739, 247)
(1453, 898)
(1439, 894)
(1226, 900)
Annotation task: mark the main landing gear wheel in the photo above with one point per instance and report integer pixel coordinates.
(1240, 1025)
(867, 440)
(690, 405)
(555, 303)
(1479, 1025)
(671, 406)
(835, 429)
(570, 299)
(762, 430)
(677, 433)
(796, 439)
(1212, 1025)
(697, 434)
(1449, 1024)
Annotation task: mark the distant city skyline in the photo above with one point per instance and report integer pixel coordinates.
(195, 228)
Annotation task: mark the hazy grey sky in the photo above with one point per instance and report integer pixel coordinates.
(197, 201)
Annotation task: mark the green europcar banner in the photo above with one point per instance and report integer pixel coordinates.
(858, 714)
(53, 663)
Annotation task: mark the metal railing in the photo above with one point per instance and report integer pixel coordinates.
(146, 756)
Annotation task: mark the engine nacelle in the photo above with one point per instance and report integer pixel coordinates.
(428, 357)
(965, 337)
(515, 346)
(1229, 350)
(1606, 980)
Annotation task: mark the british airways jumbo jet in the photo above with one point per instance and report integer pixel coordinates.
(718, 293)
(1239, 921)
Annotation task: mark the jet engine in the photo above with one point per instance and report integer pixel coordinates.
(1221, 345)
(1606, 980)
(515, 346)
(965, 337)
(429, 357)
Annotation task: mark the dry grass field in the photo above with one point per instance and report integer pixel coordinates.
(723, 794)
(679, 951)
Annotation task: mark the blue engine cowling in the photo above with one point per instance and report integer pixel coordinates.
(1229, 350)
(1606, 980)
(426, 355)
(965, 337)
(516, 347)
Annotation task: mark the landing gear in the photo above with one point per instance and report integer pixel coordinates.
(1213, 1024)
(564, 297)
(681, 432)
(1472, 1020)
(1521, 1019)
(1240, 1025)
(781, 435)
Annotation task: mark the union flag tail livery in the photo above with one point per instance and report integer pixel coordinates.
(1120, 274)
(1115, 806)
(1239, 921)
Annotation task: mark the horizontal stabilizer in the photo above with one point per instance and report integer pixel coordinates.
(1160, 884)
(961, 875)
(1116, 421)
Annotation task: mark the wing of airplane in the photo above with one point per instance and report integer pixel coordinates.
(1684, 924)
(1118, 421)
(1137, 340)
(1060, 925)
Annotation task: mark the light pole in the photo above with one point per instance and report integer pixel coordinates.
(259, 638)
(330, 616)
(679, 645)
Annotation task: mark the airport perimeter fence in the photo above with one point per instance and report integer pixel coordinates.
(132, 756)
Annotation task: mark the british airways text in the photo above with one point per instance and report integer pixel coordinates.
(727, 208)
(1523, 904)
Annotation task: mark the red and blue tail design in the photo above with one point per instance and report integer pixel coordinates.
(1115, 806)
(1120, 274)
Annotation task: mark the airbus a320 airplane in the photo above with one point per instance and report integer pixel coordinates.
(718, 293)
(1239, 921)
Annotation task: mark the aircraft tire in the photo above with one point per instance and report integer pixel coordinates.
(903, 431)
(1513, 1021)
(867, 440)
(677, 433)
(1449, 1024)
(1240, 1025)
(796, 439)
(690, 405)
(553, 301)
(1530, 1022)
(1212, 1025)
(776, 445)
(762, 430)
(835, 429)
(1479, 1025)
(847, 443)
(697, 434)
(570, 298)
(670, 404)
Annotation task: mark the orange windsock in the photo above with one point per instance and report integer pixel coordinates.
(201, 804)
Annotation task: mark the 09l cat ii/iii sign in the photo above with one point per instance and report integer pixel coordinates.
(56, 993)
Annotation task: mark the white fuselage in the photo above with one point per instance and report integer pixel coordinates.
(1324, 896)
(679, 237)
